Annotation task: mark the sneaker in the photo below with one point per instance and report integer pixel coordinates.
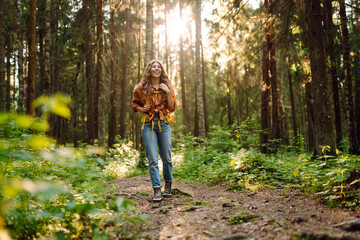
(167, 191)
(157, 195)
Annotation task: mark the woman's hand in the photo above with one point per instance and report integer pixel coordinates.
(146, 108)
(164, 87)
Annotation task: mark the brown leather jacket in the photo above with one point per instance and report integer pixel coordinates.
(156, 100)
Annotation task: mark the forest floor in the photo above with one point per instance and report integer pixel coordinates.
(200, 212)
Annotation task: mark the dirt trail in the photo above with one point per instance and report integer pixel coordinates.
(200, 212)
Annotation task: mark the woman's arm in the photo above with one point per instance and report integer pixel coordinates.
(136, 104)
(170, 96)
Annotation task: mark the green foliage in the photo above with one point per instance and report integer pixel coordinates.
(123, 160)
(248, 169)
(248, 133)
(54, 191)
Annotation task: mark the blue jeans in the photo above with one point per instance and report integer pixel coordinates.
(154, 140)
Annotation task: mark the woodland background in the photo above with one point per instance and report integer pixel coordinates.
(290, 65)
(266, 90)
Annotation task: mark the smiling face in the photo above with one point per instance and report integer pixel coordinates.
(156, 70)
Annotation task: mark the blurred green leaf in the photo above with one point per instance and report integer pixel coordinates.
(40, 142)
(4, 117)
(24, 121)
(4, 144)
(41, 125)
(296, 172)
(57, 104)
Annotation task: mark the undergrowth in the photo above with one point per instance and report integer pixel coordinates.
(231, 156)
(59, 192)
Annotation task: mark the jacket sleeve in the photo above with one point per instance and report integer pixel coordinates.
(136, 101)
(173, 95)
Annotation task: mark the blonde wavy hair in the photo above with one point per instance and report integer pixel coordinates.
(146, 78)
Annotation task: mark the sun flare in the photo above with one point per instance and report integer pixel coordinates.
(176, 25)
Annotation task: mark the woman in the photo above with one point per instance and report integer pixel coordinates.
(154, 96)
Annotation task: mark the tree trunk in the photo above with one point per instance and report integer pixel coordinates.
(203, 77)
(276, 127)
(74, 110)
(20, 71)
(292, 100)
(90, 82)
(166, 40)
(284, 132)
(199, 85)
(310, 118)
(228, 97)
(330, 49)
(99, 73)
(30, 97)
(55, 121)
(124, 83)
(149, 52)
(44, 82)
(228, 102)
(2, 57)
(348, 86)
(8, 74)
(324, 132)
(237, 93)
(186, 120)
(112, 113)
(357, 72)
(136, 116)
(265, 100)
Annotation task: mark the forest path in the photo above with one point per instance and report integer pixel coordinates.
(200, 212)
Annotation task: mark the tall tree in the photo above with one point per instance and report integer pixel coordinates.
(124, 83)
(324, 131)
(149, 51)
(89, 73)
(55, 67)
(44, 81)
(203, 78)
(357, 70)
(112, 95)
(8, 73)
(292, 101)
(199, 84)
(330, 49)
(20, 62)
(276, 127)
(310, 116)
(99, 72)
(32, 59)
(166, 38)
(2, 58)
(186, 120)
(228, 94)
(265, 100)
(348, 86)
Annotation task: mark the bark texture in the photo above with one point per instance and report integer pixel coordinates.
(124, 110)
(112, 93)
(186, 120)
(330, 48)
(265, 100)
(323, 127)
(149, 51)
(199, 84)
(30, 96)
(2, 58)
(292, 101)
(99, 73)
(348, 85)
